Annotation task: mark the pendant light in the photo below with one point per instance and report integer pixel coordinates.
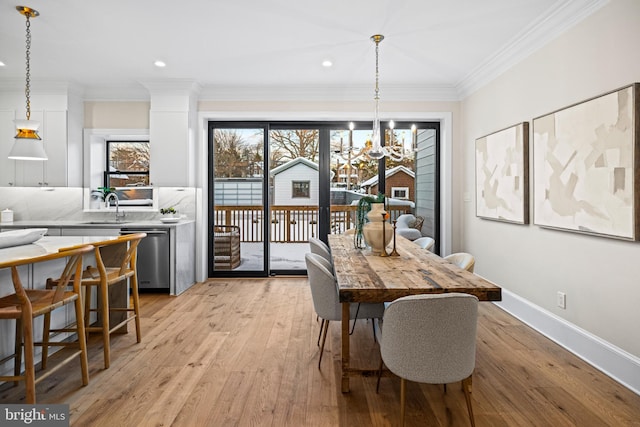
(28, 144)
(374, 149)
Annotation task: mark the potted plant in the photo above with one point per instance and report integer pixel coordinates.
(364, 206)
(170, 211)
(102, 193)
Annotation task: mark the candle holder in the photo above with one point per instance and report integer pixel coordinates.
(394, 252)
(384, 253)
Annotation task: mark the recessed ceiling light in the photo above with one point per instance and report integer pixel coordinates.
(2, 64)
(160, 64)
(327, 63)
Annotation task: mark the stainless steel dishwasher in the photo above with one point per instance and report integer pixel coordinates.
(153, 258)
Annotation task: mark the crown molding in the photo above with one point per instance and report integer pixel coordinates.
(116, 92)
(327, 93)
(558, 19)
(172, 86)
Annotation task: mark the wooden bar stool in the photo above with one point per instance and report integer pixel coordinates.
(26, 304)
(111, 270)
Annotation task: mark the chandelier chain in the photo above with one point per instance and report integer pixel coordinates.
(377, 96)
(27, 89)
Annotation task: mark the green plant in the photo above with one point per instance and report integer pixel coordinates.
(103, 192)
(169, 210)
(364, 206)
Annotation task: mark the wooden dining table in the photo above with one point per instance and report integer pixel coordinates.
(364, 277)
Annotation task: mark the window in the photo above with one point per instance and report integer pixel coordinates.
(127, 164)
(400, 192)
(301, 189)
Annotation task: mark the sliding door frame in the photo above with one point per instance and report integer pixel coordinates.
(324, 163)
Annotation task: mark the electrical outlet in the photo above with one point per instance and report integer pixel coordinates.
(562, 300)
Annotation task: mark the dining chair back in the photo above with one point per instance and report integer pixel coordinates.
(431, 339)
(326, 303)
(321, 248)
(463, 260)
(115, 262)
(405, 227)
(24, 305)
(425, 243)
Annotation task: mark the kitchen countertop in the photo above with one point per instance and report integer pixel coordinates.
(48, 245)
(92, 224)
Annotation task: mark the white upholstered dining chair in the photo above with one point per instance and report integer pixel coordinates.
(324, 293)
(431, 339)
(425, 243)
(463, 260)
(405, 227)
(320, 248)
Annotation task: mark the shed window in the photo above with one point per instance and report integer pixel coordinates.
(400, 192)
(301, 189)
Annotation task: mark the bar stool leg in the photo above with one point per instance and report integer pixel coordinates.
(104, 312)
(17, 361)
(82, 342)
(45, 339)
(136, 305)
(87, 308)
(29, 368)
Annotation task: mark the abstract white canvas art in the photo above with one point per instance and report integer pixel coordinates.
(583, 166)
(502, 184)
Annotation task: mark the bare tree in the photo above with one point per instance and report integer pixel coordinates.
(233, 156)
(288, 144)
(129, 156)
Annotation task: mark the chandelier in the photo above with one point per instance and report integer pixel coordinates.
(27, 145)
(374, 149)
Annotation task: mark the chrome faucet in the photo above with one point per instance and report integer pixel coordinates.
(119, 215)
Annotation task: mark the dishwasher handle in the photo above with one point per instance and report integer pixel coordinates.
(144, 231)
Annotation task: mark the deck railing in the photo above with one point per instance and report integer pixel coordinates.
(289, 224)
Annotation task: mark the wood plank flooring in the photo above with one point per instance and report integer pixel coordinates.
(242, 352)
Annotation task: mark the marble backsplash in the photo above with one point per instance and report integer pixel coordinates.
(66, 203)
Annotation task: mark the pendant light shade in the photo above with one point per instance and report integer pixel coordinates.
(27, 145)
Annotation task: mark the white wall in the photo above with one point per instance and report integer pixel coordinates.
(600, 276)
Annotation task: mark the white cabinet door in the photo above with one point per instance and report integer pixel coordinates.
(170, 149)
(7, 132)
(55, 144)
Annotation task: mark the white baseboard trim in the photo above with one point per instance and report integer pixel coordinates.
(611, 360)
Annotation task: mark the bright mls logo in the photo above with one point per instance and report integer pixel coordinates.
(34, 415)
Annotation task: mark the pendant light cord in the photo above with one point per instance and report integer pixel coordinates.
(27, 90)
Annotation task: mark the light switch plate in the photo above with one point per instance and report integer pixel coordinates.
(562, 300)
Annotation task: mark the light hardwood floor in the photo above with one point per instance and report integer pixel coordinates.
(242, 352)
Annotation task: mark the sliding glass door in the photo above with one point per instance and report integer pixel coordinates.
(265, 195)
(274, 185)
(237, 195)
(294, 185)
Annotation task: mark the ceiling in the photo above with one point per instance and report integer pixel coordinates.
(440, 49)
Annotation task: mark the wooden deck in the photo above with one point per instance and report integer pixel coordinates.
(242, 352)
